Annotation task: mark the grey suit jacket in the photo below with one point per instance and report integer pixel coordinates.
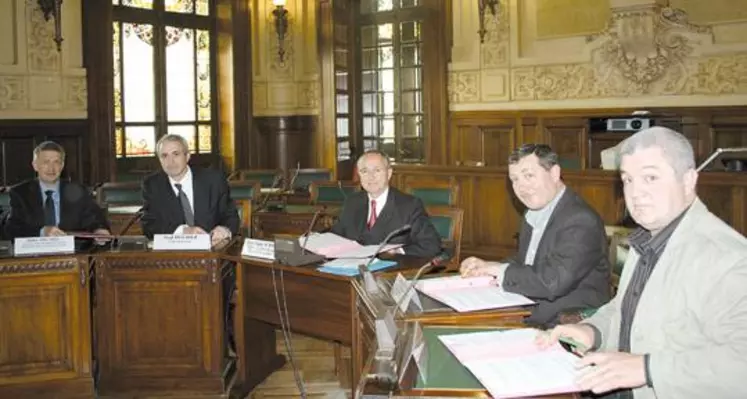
(571, 269)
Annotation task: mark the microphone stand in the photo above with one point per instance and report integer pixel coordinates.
(368, 280)
(311, 227)
(295, 175)
(435, 262)
(266, 198)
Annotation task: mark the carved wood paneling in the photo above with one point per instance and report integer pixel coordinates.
(493, 214)
(45, 337)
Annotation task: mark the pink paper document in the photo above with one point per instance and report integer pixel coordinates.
(509, 364)
(466, 294)
(333, 246)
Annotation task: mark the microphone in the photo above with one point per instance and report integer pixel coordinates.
(311, 227)
(339, 187)
(368, 279)
(275, 183)
(134, 219)
(440, 259)
(295, 175)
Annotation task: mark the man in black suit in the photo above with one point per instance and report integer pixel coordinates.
(562, 261)
(47, 206)
(369, 216)
(185, 200)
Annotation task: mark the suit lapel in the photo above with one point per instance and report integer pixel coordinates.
(200, 197)
(64, 206)
(562, 202)
(176, 207)
(37, 202)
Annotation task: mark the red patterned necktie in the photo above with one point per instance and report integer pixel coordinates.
(372, 218)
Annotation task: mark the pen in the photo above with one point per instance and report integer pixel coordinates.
(571, 345)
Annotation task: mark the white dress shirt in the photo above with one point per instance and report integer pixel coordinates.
(538, 220)
(188, 188)
(380, 202)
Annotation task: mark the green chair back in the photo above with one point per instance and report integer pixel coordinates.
(120, 193)
(266, 178)
(306, 176)
(434, 196)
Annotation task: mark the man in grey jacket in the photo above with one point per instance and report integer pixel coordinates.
(677, 327)
(562, 260)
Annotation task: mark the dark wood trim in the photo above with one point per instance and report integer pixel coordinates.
(285, 141)
(98, 61)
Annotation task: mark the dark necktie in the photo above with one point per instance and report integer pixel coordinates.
(189, 216)
(50, 219)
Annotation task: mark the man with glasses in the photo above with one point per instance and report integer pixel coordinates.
(369, 216)
(562, 261)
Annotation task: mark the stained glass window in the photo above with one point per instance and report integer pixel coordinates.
(162, 75)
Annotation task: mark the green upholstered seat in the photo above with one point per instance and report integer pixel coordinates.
(120, 193)
(434, 196)
(243, 192)
(306, 176)
(444, 226)
(266, 178)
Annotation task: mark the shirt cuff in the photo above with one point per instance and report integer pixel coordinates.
(646, 359)
(41, 232)
(180, 229)
(597, 337)
(501, 271)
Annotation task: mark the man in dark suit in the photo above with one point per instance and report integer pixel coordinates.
(370, 215)
(562, 261)
(184, 200)
(47, 206)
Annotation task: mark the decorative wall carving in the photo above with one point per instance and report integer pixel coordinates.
(495, 50)
(13, 93)
(308, 95)
(464, 87)
(76, 93)
(155, 263)
(645, 51)
(41, 266)
(42, 50)
(644, 45)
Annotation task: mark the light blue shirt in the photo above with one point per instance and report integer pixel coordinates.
(538, 220)
(55, 198)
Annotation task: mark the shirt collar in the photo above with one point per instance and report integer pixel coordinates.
(641, 239)
(186, 180)
(381, 196)
(44, 186)
(535, 217)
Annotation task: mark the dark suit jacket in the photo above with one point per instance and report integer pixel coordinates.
(162, 211)
(400, 209)
(78, 210)
(571, 269)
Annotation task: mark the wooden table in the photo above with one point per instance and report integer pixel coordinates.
(45, 333)
(319, 305)
(159, 323)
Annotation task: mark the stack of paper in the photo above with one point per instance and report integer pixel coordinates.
(509, 364)
(470, 293)
(333, 246)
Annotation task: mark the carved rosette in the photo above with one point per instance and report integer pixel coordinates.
(41, 266)
(463, 87)
(495, 49)
(13, 93)
(646, 50)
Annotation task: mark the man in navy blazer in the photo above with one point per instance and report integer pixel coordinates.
(185, 200)
(370, 215)
(47, 206)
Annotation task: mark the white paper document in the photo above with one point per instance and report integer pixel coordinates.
(333, 246)
(467, 294)
(509, 364)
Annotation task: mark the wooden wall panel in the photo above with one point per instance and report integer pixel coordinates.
(492, 214)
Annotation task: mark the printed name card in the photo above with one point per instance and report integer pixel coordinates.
(258, 249)
(181, 242)
(44, 245)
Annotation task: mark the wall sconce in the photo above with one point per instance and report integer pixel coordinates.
(53, 9)
(482, 5)
(281, 26)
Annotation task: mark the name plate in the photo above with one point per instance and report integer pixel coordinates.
(44, 245)
(181, 242)
(258, 249)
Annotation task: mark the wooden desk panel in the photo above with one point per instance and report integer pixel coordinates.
(45, 336)
(159, 323)
(265, 224)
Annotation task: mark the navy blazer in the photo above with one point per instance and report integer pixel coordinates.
(78, 210)
(162, 211)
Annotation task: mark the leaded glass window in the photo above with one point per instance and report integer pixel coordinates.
(163, 75)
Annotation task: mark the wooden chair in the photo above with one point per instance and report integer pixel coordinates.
(301, 179)
(266, 177)
(434, 192)
(448, 223)
(331, 192)
(244, 193)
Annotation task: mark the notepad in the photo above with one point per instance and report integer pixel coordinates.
(349, 267)
(333, 246)
(467, 294)
(509, 364)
